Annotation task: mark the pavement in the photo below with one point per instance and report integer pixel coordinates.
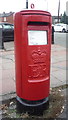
(59, 63)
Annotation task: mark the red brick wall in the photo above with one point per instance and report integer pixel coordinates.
(9, 19)
(1, 19)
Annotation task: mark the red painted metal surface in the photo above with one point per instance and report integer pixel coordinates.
(32, 61)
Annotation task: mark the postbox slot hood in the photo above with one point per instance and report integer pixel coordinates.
(35, 12)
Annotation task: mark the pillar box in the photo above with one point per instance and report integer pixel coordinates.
(32, 57)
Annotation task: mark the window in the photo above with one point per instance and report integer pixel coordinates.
(0, 26)
(4, 19)
(6, 26)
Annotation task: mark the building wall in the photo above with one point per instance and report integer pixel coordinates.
(1, 19)
(8, 19)
(55, 19)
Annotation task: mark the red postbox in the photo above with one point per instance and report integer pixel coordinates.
(32, 54)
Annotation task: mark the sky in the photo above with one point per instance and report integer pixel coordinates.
(18, 5)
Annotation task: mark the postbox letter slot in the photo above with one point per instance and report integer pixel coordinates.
(38, 23)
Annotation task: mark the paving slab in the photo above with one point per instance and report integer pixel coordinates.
(54, 82)
(58, 65)
(9, 45)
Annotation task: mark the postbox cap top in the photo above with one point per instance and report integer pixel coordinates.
(40, 12)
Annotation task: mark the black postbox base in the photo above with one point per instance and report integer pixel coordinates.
(32, 107)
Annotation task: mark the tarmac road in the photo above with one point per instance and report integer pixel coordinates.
(61, 39)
